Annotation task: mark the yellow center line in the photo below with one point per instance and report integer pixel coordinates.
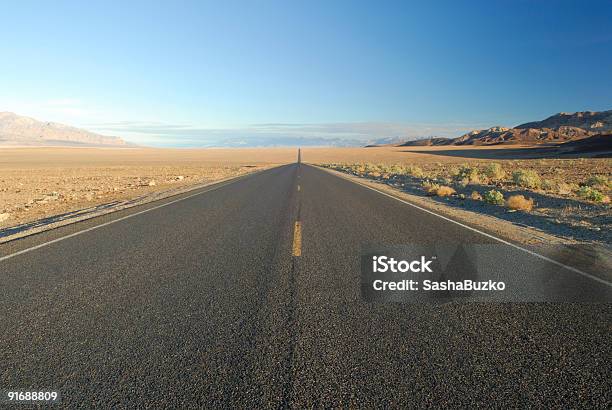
(297, 239)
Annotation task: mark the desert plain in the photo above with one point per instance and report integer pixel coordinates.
(38, 183)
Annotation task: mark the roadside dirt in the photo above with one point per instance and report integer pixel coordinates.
(38, 183)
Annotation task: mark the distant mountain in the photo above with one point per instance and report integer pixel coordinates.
(594, 121)
(525, 136)
(25, 131)
(426, 142)
(559, 128)
(380, 142)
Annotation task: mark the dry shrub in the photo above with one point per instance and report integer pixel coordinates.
(396, 169)
(599, 181)
(430, 187)
(494, 172)
(527, 178)
(586, 192)
(476, 196)
(519, 203)
(566, 189)
(469, 174)
(494, 197)
(548, 185)
(415, 171)
(444, 190)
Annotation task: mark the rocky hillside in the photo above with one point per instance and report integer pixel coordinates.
(527, 136)
(25, 131)
(598, 122)
(559, 128)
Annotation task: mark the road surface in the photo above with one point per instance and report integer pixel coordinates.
(215, 300)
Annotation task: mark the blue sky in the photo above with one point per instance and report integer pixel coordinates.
(197, 73)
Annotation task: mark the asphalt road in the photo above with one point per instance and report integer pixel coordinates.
(203, 303)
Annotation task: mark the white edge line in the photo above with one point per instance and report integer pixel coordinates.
(532, 253)
(210, 189)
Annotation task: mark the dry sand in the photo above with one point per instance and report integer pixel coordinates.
(37, 183)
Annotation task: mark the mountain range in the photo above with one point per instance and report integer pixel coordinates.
(559, 128)
(16, 130)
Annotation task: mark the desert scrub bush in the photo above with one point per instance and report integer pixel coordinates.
(444, 190)
(415, 171)
(430, 187)
(359, 169)
(373, 170)
(519, 203)
(396, 169)
(591, 194)
(494, 172)
(469, 174)
(453, 172)
(476, 196)
(598, 181)
(388, 169)
(566, 189)
(494, 197)
(527, 178)
(369, 167)
(548, 185)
